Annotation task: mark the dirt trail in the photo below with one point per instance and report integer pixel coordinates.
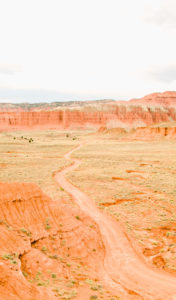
(122, 266)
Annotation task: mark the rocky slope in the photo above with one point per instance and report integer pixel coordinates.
(152, 109)
(143, 133)
(47, 249)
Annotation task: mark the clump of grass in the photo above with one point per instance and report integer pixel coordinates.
(24, 274)
(53, 275)
(65, 295)
(44, 249)
(78, 217)
(89, 281)
(7, 256)
(63, 242)
(27, 232)
(72, 294)
(40, 279)
(94, 288)
(68, 265)
(60, 292)
(93, 285)
(168, 234)
(71, 283)
(55, 256)
(47, 225)
(41, 283)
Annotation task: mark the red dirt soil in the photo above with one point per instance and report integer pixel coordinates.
(35, 233)
(122, 264)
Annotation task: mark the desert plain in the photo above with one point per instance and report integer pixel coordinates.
(88, 213)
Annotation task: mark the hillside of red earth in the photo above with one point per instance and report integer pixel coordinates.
(48, 250)
(152, 109)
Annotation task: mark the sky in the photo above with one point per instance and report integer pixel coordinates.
(59, 50)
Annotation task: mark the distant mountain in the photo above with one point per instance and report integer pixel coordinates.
(52, 106)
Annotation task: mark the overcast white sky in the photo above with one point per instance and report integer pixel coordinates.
(86, 49)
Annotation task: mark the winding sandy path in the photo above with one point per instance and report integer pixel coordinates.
(123, 267)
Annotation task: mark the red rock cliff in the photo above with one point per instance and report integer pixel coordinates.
(149, 110)
(154, 132)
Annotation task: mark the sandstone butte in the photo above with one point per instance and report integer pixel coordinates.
(152, 109)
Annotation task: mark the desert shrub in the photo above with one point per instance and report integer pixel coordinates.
(44, 249)
(24, 274)
(55, 256)
(47, 225)
(24, 230)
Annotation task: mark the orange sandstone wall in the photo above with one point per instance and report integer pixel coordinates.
(132, 116)
(154, 132)
(50, 119)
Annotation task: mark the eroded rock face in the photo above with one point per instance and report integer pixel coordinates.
(121, 116)
(166, 99)
(42, 240)
(152, 109)
(154, 132)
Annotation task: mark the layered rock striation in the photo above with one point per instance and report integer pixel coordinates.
(152, 109)
(143, 133)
